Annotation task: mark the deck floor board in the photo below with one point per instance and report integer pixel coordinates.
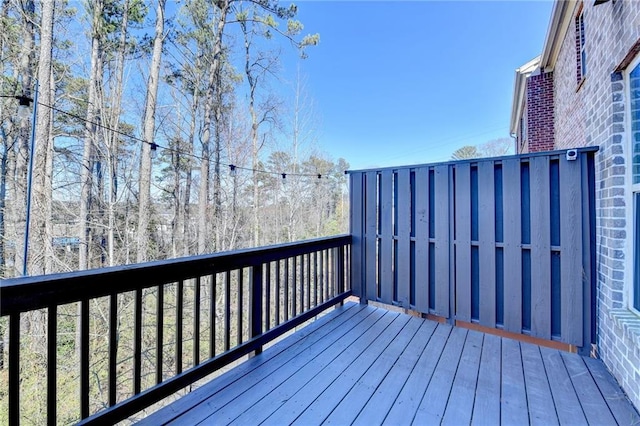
(365, 365)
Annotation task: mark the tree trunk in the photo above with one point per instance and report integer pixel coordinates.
(25, 73)
(113, 141)
(41, 217)
(93, 114)
(212, 107)
(144, 204)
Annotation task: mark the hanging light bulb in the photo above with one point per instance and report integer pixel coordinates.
(284, 178)
(232, 170)
(154, 149)
(319, 176)
(24, 103)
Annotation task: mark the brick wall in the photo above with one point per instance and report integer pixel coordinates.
(592, 112)
(540, 112)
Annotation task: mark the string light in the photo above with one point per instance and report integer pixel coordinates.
(155, 146)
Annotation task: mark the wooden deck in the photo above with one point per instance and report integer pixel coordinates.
(369, 366)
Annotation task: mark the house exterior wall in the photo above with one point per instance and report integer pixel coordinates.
(569, 97)
(592, 112)
(540, 116)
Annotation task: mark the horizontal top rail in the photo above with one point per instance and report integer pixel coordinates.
(36, 292)
(499, 159)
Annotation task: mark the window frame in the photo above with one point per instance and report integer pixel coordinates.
(580, 38)
(632, 201)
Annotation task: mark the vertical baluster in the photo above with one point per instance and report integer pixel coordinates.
(84, 359)
(52, 363)
(256, 303)
(294, 285)
(159, 333)
(113, 347)
(52, 329)
(212, 315)
(330, 273)
(137, 342)
(308, 281)
(339, 253)
(302, 284)
(227, 310)
(347, 267)
(315, 278)
(14, 369)
(196, 323)
(179, 314)
(267, 302)
(323, 290)
(277, 292)
(240, 310)
(286, 289)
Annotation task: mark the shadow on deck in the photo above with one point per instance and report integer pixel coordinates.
(366, 365)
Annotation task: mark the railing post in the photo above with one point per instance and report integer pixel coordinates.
(14, 369)
(256, 303)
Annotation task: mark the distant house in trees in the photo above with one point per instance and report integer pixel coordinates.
(584, 90)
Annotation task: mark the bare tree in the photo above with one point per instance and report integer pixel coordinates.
(144, 204)
(44, 149)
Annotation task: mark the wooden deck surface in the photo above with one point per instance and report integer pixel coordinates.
(368, 366)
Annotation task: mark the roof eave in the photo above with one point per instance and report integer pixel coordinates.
(561, 19)
(519, 87)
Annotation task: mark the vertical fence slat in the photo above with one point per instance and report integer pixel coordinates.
(196, 322)
(52, 362)
(371, 239)
(386, 237)
(540, 248)
(403, 238)
(512, 245)
(463, 241)
(14, 369)
(487, 245)
(442, 240)
(159, 333)
(421, 210)
(84, 359)
(356, 196)
(113, 347)
(179, 324)
(571, 252)
(589, 312)
(137, 342)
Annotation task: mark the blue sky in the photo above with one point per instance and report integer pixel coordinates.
(409, 82)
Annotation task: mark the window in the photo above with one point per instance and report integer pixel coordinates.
(634, 157)
(581, 56)
(636, 252)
